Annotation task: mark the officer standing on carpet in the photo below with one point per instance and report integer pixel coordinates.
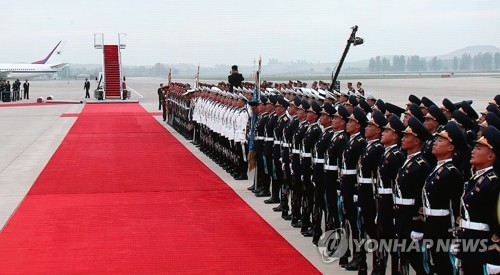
(260, 135)
(280, 108)
(318, 160)
(408, 214)
(441, 195)
(367, 176)
(479, 211)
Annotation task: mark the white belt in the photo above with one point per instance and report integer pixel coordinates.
(384, 191)
(295, 151)
(331, 167)
(316, 160)
(436, 212)
(348, 171)
(277, 142)
(268, 139)
(401, 201)
(365, 180)
(285, 145)
(259, 138)
(474, 225)
(305, 155)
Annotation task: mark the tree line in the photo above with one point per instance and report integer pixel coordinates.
(467, 62)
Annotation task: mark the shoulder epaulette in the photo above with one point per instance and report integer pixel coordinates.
(396, 151)
(359, 138)
(420, 160)
(491, 175)
(450, 166)
(378, 144)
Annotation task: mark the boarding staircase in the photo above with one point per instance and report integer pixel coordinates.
(112, 67)
(112, 74)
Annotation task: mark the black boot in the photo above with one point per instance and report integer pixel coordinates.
(344, 260)
(353, 265)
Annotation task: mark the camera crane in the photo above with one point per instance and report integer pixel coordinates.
(352, 40)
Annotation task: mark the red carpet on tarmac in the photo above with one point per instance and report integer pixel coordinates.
(122, 195)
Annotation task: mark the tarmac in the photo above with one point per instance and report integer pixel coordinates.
(29, 135)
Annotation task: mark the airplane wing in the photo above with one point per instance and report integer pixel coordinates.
(4, 73)
(59, 66)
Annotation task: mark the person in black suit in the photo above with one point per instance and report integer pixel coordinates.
(86, 87)
(408, 212)
(235, 78)
(479, 212)
(160, 96)
(441, 195)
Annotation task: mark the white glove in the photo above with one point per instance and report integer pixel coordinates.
(416, 236)
(355, 198)
(339, 193)
(282, 166)
(493, 269)
(454, 248)
(291, 170)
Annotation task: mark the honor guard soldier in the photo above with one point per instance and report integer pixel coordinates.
(268, 147)
(333, 159)
(415, 111)
(280, 109)
(434, 120)
(447, 108)
(240, 132)
(408, 214)
(260, 130)
(286, 152)
(297, 188)
(351, 155)
(321, 146)
(310, 137)
(479, 212)
(367, 176)
(388, 167)
(426, 103)
(441, 196)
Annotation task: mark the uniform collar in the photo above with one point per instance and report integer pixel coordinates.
(481, 172)
(354, 136)
(388, 148)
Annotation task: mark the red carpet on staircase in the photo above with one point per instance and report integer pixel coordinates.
(122, 195)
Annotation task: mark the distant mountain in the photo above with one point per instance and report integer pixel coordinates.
(472, 50)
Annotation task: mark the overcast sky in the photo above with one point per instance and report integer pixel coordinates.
(236, 32)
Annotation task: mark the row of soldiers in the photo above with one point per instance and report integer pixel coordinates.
(346, 160)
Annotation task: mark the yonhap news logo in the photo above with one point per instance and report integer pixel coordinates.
(333, 245)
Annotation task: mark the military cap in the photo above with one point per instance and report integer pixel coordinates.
(352, 101)
(359, 95)
(380, 105)
(336, 93)
(359, 116)
(415, 111)
(365, 106)
(296, 101)
(263, 99)
(330, 95)
(414, 99)
(378, 119)
(395, 124)
(322, 92)
(492, 120)
(328, 109)
(343, 113)
(242, 97)
(426, 103)
(370, 97)
(491, 139)
(436, 114)
(253, 103)
(272, 99)
(463, 120)
(393, 109)
(496, 100)
(468, 110)
(491, 108)
(304, 105)
(344, 93)
(315, 108)
(452, 132)
(416, 128)
(281, 101)
(448, 105)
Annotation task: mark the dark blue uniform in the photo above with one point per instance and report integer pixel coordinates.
(320, 148)
(262, 177)
(479, 206)
(331, 178)
(408, 214)
(278, 170)
(442, 189)
(310, 137)
(268, 150)
(286, 153)
(297, 186)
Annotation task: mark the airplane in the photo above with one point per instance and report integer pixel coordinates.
(37, 68)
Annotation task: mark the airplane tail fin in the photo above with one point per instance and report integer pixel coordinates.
(43, 61)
